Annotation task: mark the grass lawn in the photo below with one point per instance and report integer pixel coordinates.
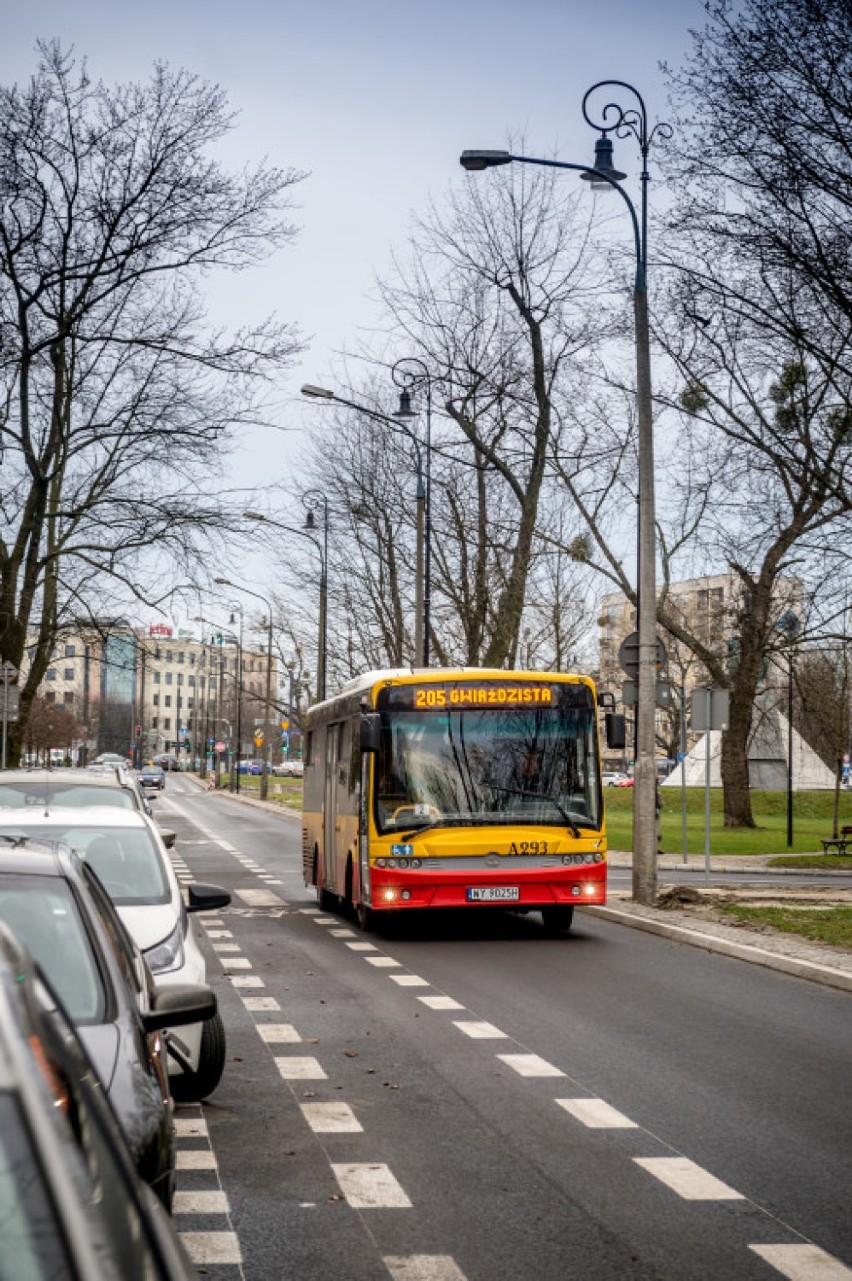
(287, 791)
(825, 924)
(812, 821)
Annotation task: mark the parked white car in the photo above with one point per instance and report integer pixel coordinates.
(613, 778)
(127, 851)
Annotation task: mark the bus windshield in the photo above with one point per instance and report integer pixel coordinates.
(477, 767)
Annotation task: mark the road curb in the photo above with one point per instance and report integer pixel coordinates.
(828, 975)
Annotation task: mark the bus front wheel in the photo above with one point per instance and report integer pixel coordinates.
(368, 917)
(557, 920)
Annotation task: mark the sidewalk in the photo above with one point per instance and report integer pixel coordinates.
(692, 924)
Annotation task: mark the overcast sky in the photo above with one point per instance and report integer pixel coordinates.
(375, 100)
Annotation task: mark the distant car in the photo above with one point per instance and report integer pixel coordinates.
(57, 908)
(167, 762)
(128, 854)
(613, 778)
(289, 769)
(626, 782)
(112, 785)
(250, 767)
(73, 1205)
(110, 758)
(152, 776)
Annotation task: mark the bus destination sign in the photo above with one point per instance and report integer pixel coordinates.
(481, 695)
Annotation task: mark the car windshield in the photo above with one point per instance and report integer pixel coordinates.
(126, 859)
(74, 795)
(483, 767)
(42, 913)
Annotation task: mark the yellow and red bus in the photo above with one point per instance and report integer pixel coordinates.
(458, 788)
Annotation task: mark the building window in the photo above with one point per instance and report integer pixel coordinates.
(156, 677)
(69, 673)
(180, 655)
(68, 697)
(189, 703)
(191, 682)
(70, 651)
(50, 674)
(192, 657)
(180, 678)
(167, 723)
(168, 678)
(153, 722)
(50, 697)
(168, 655)
(167, 701)
(156, 700)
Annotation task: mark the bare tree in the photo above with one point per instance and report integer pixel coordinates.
(117, 393)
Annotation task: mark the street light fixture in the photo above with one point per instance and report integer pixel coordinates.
(398, 425)
(322, 650)
(603, 175)
(410, 374)
(310, 527)
(267, 747)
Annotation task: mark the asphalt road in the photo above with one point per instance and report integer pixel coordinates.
(467, 1099)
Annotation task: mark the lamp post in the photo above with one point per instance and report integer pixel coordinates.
(218, 687)
(317, 496)
(789, 625)
(322, 548)
(604, 176)
(399, 425)
(264, 777)
(236, 607)
(412, 374)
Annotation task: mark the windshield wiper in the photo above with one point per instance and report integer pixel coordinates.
(541, 796)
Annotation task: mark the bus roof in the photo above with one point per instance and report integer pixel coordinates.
(368, 680)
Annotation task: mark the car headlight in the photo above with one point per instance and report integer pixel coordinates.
(167, 955)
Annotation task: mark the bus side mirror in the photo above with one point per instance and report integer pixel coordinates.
(371, 731)
(616, 729)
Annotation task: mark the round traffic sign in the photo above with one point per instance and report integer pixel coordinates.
(220, 746)
(628, 655)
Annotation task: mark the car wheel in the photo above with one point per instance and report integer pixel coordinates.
(191, 1087)
(557, 920)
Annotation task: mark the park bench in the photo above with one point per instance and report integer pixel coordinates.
(840, 843)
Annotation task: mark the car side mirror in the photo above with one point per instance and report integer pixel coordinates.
(178, 1005)
(371, 732)
(206, 898)
(168, 838)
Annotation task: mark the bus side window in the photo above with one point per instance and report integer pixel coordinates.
(309, 747)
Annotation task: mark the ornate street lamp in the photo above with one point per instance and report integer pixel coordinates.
(412, 374)
(632, 121)
(322, 549)
(399, 425)
(264, 777)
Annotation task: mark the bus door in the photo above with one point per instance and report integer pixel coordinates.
(329, 821)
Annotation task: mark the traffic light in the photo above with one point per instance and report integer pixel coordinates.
(187, 745)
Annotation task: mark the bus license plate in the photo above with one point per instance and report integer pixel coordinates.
(493, 894)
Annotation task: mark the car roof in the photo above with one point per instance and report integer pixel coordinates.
(37, 857)
(74, 815)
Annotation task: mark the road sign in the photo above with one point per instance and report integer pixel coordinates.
(220, 746)
(258, 738)
(710, 709)
(663, 694)
(628, 655)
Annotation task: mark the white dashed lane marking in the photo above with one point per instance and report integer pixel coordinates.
(363, 947)
(259, 898)
(597, 1114)
(246, 980)
(257, 1004)
(687, 1179)
(803, 1262)
(331, 1118)
(272, 1032)
(195, 1160)
(441, 1003)
(370, 1186)
(529, 1065)
(200, 1203)
(383, 962)
(408, 980)
(190, 1127)
(220, 934)
(423, 1267)
(235, 962)
(481, 1031)
(301, 1069)
(212, 1247)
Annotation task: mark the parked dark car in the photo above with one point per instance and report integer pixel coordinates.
(58, 909)
(152, 776)
(250, 767)
(73, 1206)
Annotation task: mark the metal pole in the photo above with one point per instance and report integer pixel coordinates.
(790, 752)
(418, 574)
(684, 836)
(264, 777)
(708, 720)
